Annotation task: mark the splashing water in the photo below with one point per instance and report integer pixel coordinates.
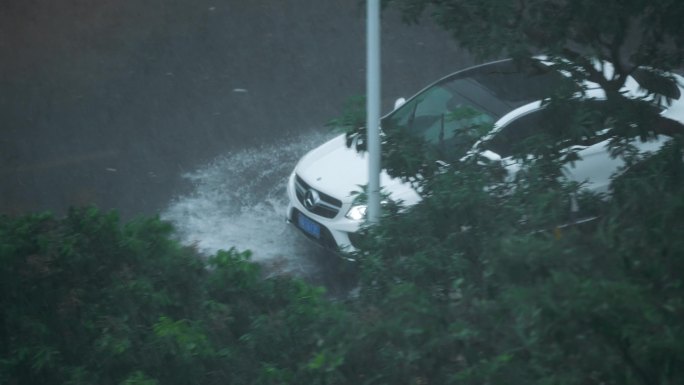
(239, 200)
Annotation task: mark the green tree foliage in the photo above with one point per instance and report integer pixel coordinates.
(639, 38)
(475, 295)
(86, 300)
(628, 33)
(482, 282)
(86, 285)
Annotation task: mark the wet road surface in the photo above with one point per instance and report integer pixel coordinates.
(192, 109)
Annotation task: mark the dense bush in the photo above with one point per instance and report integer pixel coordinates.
(488, 289)
(86, 300)
(479, 295)
(483, 282)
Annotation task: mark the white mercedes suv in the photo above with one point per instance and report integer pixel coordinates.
(325, 182)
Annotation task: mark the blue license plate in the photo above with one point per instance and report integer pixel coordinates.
(310, 227)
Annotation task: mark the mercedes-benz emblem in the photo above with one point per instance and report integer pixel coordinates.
(311, 199)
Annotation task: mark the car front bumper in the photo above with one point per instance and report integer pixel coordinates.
(332, 233)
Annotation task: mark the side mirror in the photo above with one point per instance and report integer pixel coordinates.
(399, 102)
(491, 156)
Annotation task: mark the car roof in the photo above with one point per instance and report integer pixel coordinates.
(500, 87)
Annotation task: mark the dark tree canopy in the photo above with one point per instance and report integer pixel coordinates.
(630, 33)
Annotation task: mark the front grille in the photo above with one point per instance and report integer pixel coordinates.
(327, 206)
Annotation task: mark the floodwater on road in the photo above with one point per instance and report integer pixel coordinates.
(239, 200)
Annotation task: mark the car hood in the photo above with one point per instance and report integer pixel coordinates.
(339, 171)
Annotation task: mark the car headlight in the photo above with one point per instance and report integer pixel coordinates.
(357, 213)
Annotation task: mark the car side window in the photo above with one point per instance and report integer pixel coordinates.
(516, 136)
(422, 113)
(437, 116)
(512, 137)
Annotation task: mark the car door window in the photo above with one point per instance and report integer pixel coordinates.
(512, 137)
(519, 135)
(473, 98)
(437, 116)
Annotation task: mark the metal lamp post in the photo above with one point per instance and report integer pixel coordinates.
(373, 107)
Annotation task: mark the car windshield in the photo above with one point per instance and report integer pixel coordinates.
(473, 98)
